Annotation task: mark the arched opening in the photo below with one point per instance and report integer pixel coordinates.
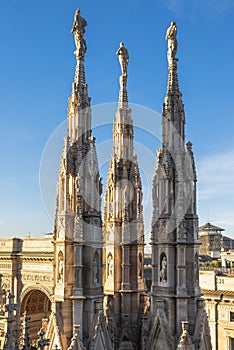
(38, 307)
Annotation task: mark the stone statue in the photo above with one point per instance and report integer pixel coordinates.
(172, 41)
(95, 270)
(60, 269)
(79, 23)
(78, 29)
(163, 269)
(123, 58)
(110, 266)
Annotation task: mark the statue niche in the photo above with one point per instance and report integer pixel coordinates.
(163, 268)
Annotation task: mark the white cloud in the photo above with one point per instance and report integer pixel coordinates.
(208, 8)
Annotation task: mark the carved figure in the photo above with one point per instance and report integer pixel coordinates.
(60, 269)
(109, 265)
(163, 269)
(95, 270)
(172, 41)
(122, 52)
(78, 29)
(140, 265)
(79, 23)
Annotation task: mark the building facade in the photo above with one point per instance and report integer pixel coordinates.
(95, 297)
(218, 291)
(212, 241)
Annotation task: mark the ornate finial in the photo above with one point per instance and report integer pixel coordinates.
(10, 307)
(122, 52)
(78, 29)
(172, 42)
(26, 338)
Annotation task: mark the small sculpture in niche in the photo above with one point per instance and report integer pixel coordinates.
(109, 265)
(60, 267)
(140, 265)
(163, 268)
(96, 268)
(196, 268)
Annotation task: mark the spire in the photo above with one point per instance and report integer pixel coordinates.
(175, 246)
(123, 128)
(173, 109)
(26, 338)
(123, 253)
(10, 308)
(79, 102)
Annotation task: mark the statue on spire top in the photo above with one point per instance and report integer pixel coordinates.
(172, 42)
(78, 29)
(122, 52)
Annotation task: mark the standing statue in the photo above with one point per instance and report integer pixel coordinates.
(172, 41)
(78, 29)
(163, 269)
(123, 58)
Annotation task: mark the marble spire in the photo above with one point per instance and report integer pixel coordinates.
(79, 116)
(173, 107)
(123, 253)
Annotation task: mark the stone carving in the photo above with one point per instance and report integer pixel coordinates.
(60, 267)
(37, 278)
(42, 343)
(96, 268)
(78, 29)
(140, 265)
(122, 52)
(163, 268)
(172, 42)
(10, 308)
(110, 265)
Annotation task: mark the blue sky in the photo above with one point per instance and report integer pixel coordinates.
(37, 69)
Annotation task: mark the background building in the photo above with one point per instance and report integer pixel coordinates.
(212, 240)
